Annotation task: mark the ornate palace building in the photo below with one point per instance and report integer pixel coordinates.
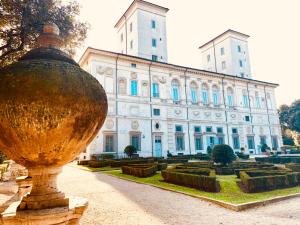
(160, 107)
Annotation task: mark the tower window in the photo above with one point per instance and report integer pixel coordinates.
(222, 51)
(247, 118)
(133, 65)
(122, 37)
(223, 65)
(130, 27)
(241, 63)
(154, 44)
(156, 112)
(239, 48)
(131, 44)
(208, 58)
(153, 24)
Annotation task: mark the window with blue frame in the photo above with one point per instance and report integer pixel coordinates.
(234, 130)
(236, 142)
(153, 24)
(222, 51)
(257, 102)
(135, 140)
(155, 90)
(250, 141)
(178, 128)
(175, 91)
(239, 49)
(154, 58)
(197, 129)
(198, 143)
(208, 129)
(241, 63)
(180, 142)
(134, 88)
(156, 112)
(215, 98)
(263, 140)
(220, 140)
(275, 142)
(230, 100)
(204, 97)
(220, 130)
(194, 96)
(154, 44)
(245, 101)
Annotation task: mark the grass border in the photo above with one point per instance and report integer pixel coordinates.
(231, 206)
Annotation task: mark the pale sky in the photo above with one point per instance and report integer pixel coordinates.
(273, 26)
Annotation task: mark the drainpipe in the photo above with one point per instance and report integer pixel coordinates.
(187, 110)
(151, 108)
(116, 106)
(215, 57)
(126, 34)
(226, 115)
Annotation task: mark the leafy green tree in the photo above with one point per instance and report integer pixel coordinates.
(21, 21)
(223, 154)
(290, 116)
(130, 150)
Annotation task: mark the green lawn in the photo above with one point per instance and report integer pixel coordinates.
(230, 192)
(108, 168)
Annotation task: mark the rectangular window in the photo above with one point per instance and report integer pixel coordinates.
(121, 37)
(220, 140)
(133, 65)
(220, 130)
(154, 44)
(130, 27)
(194, 96)
(178, 128)
(215, 99)
(208, 58)
(197, 129)
(208, 129)
(198, 143)
(156, 112)
(247, 118)
(230, 100)
(250, 141)
(135, 140)
(109, 143)
(275, 142)
(236, 142)
(234, 130)
(241, 63)
(222, 51)
(204, 97)
(153, 24)
(131, 44)
(263, 140)
(239, 49)
(223, 65)
(180, 142)
(245, 101)
(257, 102)
(242, 75)
(134, 89)
(154, 58)
(155, 90)
(175, 94)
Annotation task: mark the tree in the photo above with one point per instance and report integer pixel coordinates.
(21, 22)
(130, 150)
(290, 116)
(223, 154)
(264, 148)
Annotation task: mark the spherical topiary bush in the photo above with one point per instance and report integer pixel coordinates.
(223, 154)
(130, 150)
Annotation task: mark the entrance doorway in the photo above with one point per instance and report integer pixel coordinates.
(157, 146)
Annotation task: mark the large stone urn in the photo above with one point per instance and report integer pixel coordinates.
(50, 110)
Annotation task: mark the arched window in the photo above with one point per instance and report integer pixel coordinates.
(257, 100)
(204, 94)
(215, 95)
(230, 97)
(122, 86)
(194, 92)
(155, 90)
(245, 99)
(175, 91)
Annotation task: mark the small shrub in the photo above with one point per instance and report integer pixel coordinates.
(264, 148)
(223, 154)
(209, 151)
(169, 154)
(130, 150)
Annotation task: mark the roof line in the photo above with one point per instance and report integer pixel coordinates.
(175, 65)
(141, 1)
(229, 30)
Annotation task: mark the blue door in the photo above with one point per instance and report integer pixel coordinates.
(157, 146)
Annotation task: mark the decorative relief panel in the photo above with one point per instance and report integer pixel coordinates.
(196, 113)
(133, 75)
(261, 130)
(207, 114)
(249, 130)
(134, 125)
(109, 124)
(104, 70)
(134, 110)
(177, 111)
(162, 80)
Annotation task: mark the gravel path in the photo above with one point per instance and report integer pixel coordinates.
(119, 202)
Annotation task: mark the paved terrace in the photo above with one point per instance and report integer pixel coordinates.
(119, 202)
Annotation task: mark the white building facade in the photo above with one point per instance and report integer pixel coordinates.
(159, 107)
(142, 32)
(227, 53)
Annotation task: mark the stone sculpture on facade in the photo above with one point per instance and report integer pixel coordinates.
(50, 110)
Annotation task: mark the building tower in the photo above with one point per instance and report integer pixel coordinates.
(142, 31)
(227, 53)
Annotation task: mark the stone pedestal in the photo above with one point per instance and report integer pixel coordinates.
(56, 216)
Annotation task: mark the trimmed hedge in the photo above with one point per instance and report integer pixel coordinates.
(83, 162)
(264, 180)
(202, 179)
(120, 163)
(279, 160)
(293, 166)
(141, 170)
(172, 161)
(98, 164)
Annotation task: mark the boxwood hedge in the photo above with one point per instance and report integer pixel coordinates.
(140, 170)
